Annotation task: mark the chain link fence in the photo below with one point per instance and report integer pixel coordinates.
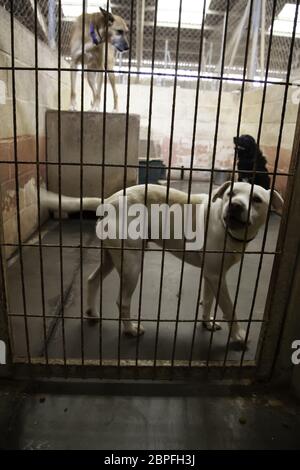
(166, 37)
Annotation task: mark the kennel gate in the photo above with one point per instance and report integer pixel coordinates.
(284, 254)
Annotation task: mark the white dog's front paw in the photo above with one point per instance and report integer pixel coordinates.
(211, 325)
(239, 336)
(92, 314)
(72, 107)
(133, 329)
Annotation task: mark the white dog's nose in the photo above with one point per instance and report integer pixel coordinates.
(236, 208)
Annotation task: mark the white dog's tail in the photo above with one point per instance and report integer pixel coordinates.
(50, 201)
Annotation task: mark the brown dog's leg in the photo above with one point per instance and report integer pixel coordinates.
(99, 80)
(73, 86)
(91, 77)
(112, 80)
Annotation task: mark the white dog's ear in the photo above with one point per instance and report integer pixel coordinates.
(277, 201)
(220, 192)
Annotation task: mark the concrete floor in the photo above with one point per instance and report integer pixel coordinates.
(72, 302)
(147, 416)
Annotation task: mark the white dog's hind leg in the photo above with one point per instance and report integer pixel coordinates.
(94, 282)
(207, 302)
(130, 275)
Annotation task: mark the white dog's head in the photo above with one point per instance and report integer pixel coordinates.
(234, 213)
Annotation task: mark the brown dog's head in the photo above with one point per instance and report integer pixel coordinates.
(116, 29)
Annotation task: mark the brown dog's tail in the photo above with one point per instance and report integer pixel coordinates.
(50, 201)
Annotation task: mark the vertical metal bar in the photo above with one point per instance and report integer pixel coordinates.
(283, 111)
(125, 175)
(103, 180)
(16, 167)
(262, 38)
(51, 23)
(4, 323)
(38, 179)
(61, 262)
(147, 172)
(212, 176)
(81, 179)
(140, 16)
(168, 180)
(190, 175)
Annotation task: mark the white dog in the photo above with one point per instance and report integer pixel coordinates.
(222, 214)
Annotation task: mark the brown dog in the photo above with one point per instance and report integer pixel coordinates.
(100, 28)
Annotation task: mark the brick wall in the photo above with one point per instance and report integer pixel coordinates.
(26, 125)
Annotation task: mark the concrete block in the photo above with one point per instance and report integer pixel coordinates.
(92, 151)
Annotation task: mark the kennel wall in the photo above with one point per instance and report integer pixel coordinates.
(206, 119)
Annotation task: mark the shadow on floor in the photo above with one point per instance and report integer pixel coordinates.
(148, 416)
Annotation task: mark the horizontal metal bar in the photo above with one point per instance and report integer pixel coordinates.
(155, 167)
(173, 250)
(158, 74)
(116, 319)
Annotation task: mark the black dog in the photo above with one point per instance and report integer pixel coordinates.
(248, 153)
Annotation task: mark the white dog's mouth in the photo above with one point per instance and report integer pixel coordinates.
(233, 221)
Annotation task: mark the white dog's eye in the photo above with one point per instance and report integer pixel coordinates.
(257, 199)
(231, 194)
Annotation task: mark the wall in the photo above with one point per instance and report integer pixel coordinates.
(184, 120)
(206, 122)
(26, 124)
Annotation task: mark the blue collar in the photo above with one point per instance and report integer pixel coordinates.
(94, 36)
